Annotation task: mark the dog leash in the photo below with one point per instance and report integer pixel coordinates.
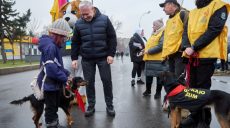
(69, 90)
(193, 60)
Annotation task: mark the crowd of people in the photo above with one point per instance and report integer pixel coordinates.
(184, 45)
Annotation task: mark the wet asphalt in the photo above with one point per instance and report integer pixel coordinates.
(132, 109)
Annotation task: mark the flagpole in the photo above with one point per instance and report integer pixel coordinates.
(182, 2)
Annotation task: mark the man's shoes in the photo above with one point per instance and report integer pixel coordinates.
(110, 111)
(90, 111)
(188, 122)
(140, 82)
(147, 93)
(132, 82)
(157, 95)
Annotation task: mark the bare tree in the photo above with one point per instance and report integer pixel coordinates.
(33, 27)
(116, 24)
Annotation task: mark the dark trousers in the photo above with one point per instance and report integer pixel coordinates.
(176, 64)
(224, 65)
(149, 81)
(137, 68)
(52, 99)
(89, 70)
(200, 76)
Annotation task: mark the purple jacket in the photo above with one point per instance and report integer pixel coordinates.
(56, 74)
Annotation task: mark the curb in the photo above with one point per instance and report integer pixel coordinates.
(11, 70)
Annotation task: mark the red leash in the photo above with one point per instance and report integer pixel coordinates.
(78, 98)
(193, 60)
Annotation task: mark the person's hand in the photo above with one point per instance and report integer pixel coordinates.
(189, 51)
(145, 51)
(109, 59)
(74, 64)
(70, 77)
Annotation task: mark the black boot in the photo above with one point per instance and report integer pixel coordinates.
(140, 82)
(132, 82)
(147, 92)
(110, 110)
(158, 91)
(89, 111)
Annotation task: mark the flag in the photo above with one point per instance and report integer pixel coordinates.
(54, 12)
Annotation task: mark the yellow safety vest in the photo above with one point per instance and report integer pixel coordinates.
(152, 42)
(198, 24)
(172, 35)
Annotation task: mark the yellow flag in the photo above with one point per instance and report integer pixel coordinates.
(54, 11)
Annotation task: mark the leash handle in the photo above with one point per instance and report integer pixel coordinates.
(193, 60)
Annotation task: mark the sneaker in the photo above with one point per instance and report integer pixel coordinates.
(110, 111)
(147, 93)
(140, 82)
(90, 111)
(157, 96)
(132, 82)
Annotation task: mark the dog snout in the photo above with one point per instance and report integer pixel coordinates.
(67, 19)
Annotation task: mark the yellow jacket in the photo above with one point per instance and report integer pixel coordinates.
(152, 42)
(172, 35)
(198, 24)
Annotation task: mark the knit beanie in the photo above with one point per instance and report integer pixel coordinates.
(159, 23)
(60, 27)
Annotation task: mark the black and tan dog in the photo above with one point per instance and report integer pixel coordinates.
(66, 100)
(192, 99)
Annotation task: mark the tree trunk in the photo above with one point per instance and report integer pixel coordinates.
(12, 46)
(20, 44)
(4, 59)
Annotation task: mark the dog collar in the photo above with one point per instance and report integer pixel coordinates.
(176, 91)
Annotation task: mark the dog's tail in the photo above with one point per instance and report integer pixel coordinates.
(21, 101)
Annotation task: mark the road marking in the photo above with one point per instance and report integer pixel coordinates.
(221, 81)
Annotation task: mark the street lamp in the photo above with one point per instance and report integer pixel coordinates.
(142, 16)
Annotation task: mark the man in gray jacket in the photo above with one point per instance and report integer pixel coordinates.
(95, 40)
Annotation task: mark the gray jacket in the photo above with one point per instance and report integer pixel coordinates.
(154, 67)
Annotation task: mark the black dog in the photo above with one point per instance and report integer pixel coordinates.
(66, 98)
(192, 99)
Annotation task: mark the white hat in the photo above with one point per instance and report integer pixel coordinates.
(159, 23)
(60, 27)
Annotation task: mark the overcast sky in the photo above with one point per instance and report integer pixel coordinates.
(128, 12)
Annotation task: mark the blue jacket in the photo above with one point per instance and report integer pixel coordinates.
(56, 75)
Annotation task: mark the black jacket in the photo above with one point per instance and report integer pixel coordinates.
(134, 42)
(215, 27)
(95, 39)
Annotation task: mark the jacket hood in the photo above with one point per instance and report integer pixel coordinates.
(44, 42)
(97, 12)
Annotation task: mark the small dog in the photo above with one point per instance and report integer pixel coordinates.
(66, 99)
(193, 99)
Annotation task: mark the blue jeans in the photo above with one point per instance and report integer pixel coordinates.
(89, 70)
